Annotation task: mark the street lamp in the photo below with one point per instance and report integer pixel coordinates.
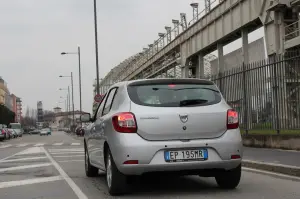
(72, 94)
(66, 102)
(79, 67)
(68, 98)
(96, 46)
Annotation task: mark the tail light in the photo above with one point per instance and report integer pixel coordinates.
(232, 119)
(3, 132)
(124, 122)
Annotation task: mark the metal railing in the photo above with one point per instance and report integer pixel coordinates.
(291, 31)
(266, 94)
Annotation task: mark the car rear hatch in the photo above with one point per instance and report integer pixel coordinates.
(177, 109)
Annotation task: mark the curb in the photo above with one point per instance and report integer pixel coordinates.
(276, 168)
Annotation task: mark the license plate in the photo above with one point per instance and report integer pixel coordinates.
(186, 155)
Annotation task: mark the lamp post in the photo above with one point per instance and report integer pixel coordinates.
(96, 47)
(79, 68)
(72, 94)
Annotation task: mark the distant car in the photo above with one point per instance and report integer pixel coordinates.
(35, 131)
(45, 131)
(177, 126)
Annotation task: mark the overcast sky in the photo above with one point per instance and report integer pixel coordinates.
(33, 33)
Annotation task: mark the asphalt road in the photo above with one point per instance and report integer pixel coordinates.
(52, 167)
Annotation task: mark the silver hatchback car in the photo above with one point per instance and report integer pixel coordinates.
(180, 126)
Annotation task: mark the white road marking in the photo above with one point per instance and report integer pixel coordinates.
(23, 159)
(294, 151)
(25, 167)
(29, 181)
(75, 144)
(71, 183)
(60, 150)
(22, 145)
(270, 173)
(57, 144)
(66, 152)
(5, 146)
(272, 164)
(40, 144)
(32, 150)
(67, 156)
(71, 161)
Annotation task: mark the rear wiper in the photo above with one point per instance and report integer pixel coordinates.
(192, 102)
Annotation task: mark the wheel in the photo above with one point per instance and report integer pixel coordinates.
(116, 181)
(229, 179)
(90, 170)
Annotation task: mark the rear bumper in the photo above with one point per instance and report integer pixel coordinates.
(2, 136)
(150, 154)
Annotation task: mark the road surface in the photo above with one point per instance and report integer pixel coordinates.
(52, 167)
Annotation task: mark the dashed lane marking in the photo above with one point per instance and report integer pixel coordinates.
(29, 181)
(58, 144)
(5, 146)
(24, 167)
(67, 156)
(75, 144)
(23, 159)
(66, 152)
(71, 161)
(40, 144)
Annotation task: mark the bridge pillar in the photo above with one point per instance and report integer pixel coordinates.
(220, 58)
(200, 66)
(245, 46)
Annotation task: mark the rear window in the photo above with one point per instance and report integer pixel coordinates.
(174, 95)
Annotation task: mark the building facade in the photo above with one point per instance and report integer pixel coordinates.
(3, 91)
(19, 109)
(40, 112)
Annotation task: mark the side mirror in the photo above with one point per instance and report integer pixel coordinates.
(85, 117)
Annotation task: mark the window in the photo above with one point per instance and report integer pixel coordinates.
(179, 94)
(109, 101)
(100, 109)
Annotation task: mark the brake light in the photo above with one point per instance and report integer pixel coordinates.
(124, 122)
(232, 119)
(3, 132)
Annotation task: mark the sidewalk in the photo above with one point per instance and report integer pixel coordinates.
(275, 160)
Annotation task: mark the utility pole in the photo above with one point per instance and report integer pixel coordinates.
(79, 66)
(96, 46)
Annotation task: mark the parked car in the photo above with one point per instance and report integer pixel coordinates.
(3, 132)
(13, 133)
(181, 126)
(17, 127)
(35, 131)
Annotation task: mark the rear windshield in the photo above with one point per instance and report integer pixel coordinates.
(174, 95)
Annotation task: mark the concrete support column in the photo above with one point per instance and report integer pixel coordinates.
(200, 66)
(245, 46)
(221, 66)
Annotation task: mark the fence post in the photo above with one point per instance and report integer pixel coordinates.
(245, 99)
(276, 101)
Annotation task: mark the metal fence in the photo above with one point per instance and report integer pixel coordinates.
(266, 94)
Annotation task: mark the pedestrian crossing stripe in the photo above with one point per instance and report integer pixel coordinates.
(39, 144)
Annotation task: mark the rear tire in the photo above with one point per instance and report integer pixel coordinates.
(116, 181)
(229, 179)
(90, 170)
